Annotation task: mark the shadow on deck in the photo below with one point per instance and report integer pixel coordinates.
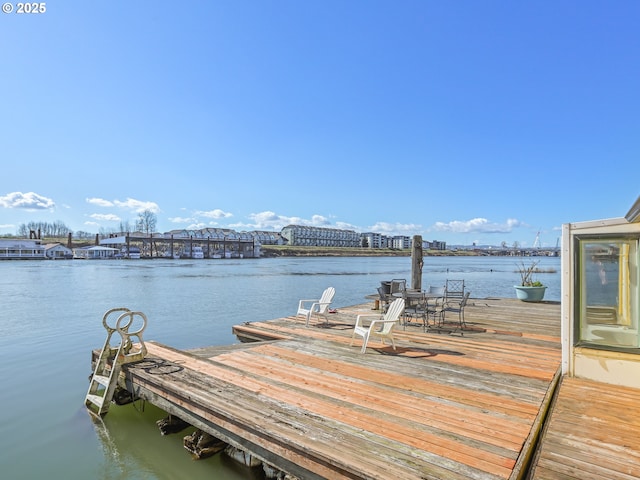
(441, 406)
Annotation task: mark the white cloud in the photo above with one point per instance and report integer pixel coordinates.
(137, 205)
(266, 217)
(395, 228)
(106, 216)
(28, 201)
(271, 221)
(477, 225)
(346, 226)
(196, 226)
(101, 202)
(216, 214)
(181, 219)
(320, 221)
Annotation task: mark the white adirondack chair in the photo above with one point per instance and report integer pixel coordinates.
(381, 327)
(317, 306)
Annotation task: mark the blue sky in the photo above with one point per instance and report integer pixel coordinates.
(461, 121)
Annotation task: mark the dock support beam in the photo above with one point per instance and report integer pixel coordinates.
(416, 263)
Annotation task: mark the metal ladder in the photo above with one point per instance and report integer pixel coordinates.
(104, 379)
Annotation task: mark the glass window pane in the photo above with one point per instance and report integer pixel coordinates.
(609, 292)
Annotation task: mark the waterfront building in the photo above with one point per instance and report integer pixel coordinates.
(96, 253)
(210, 242)
(302, 235)
(21, 249)
(373, 240)
(229, 243)
(216, 234)
(267, 238)
(400, 242)
(435, 245)
(57, 251)
(182, 233)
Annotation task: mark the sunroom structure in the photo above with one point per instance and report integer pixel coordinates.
(601, 299)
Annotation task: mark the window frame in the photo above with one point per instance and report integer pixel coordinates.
(580, 282)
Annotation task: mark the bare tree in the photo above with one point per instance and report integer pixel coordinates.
(146, 222)
(125, 227)
(107, 232)
(56, 229)
(22, 231)
(82, 235)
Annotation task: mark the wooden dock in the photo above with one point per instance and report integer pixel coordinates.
(442, 406)
(592, 434)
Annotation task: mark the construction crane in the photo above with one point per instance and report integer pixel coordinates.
(536, 242)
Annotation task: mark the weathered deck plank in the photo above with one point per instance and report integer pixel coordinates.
(592, 434)
(371, 396)
(440, 407)
(257, 403)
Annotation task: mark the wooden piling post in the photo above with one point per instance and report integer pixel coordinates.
(416, 263)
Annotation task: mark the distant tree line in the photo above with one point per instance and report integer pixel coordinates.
(47, 229)
(146, 222)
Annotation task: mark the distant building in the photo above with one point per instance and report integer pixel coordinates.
(400, 242)
(375, 240)
(21, 249)
(228, 242)
(435, 245)
(57, 251)
(267, 238)
(301, 235)
(371, 240)
(96, 253)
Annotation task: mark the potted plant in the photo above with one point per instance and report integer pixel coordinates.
(529, 290)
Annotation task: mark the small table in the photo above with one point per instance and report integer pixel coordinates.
(412, 296)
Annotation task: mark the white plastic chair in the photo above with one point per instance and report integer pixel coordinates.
(319, 306)
(381, 327)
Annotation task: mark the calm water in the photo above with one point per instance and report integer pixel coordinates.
(51, 320)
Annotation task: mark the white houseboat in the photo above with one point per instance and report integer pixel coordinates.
(132, 252)
(57, 251)
(125, 249)
(21, 249)
(96, 253)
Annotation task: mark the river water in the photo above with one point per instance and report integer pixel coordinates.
(50, 321)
